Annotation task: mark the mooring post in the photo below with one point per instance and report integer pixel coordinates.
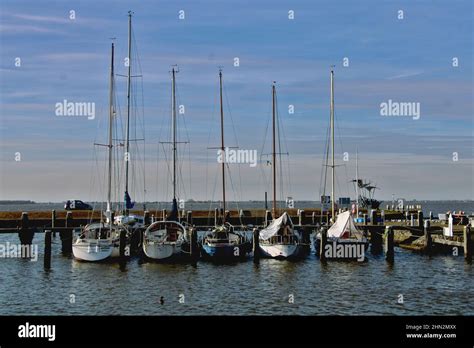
(152, 219)
(376, 241)
(427, 234)
(47, 249)
(420, 219)
(431, 216)
(163, 214)
(322, 244)
(313, 218)
(25, 234)
(69, 219)
(216, 216)
(373, 217)
(189, 217)
(66, 235)
(389, 252)
(300, 216)
(193, 247)
(146, 218)
(256, 244)
(227, 215)
(382, 215)
(122, 245)
(53, 221)
(365, 220)
(268, 217)
(467, 243)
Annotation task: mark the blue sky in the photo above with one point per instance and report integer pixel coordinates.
(408, 60)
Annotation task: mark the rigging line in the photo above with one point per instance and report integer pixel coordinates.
(262, 168)
(183, 117)
(236, 140)
(232, 186)
(279, 149)
(342, 150)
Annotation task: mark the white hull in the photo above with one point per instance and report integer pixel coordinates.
(92, 251)
(279, 250)
(161, 251)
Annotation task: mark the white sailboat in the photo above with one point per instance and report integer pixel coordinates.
(279, 239)
(223, 243)
(342, 231)
(100, 241)
(131, 221)
(168, 238)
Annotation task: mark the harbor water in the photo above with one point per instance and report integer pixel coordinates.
(414, 285)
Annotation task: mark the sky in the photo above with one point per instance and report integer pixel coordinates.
(420, 55)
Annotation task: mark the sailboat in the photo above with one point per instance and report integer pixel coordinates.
(167, 239)
(279, 239)
(223, 242)
(342, 231)
(100, 241)
(133, 222)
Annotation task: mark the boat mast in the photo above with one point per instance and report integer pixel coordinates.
(357, 182)
(274, 207)
(173, 72)
(110, 145)
(222, 146)
(332, 146)
(129, 75)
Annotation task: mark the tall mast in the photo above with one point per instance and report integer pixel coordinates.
(129, 75)
(357, 182)
(174, 132)
(111, 116)
(274, 207)
(332, 146)
(222, 145)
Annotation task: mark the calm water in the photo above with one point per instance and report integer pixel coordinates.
(439, 285)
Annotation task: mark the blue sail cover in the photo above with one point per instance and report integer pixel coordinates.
(128, 201)
(173, 216)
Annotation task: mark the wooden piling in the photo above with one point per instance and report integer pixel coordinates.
(66, 235)
(256, 244)
(123, 243)
(189, 217)
(365, 220)
(376, 240)
(420, 219)
(313, 218)
(373, 217)
(268, 217)
(146, 218)
(47, 249)
(53, 221)
(300, 216)
(69, 219)
(193, 247)
(216, 216)
(389, 244)
(467, 243)
(322, 244)
(25, 234)
(427, 234)
(163, 214)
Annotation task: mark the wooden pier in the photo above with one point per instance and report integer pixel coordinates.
(415, 234)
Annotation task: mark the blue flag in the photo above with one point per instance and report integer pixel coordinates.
(128, 201)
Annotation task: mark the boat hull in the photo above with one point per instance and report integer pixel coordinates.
(162, 251)
(223, 252)
(279, 251)
(92, 253)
